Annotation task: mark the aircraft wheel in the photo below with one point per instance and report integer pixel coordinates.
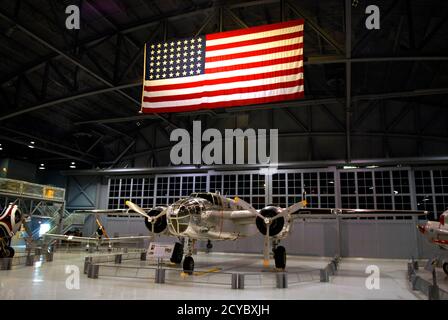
(280, 257)
(188, 265)
(209, 245)
(445, 267)
(9, 252)
(178, 253)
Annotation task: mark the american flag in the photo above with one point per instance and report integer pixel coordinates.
(234, 68)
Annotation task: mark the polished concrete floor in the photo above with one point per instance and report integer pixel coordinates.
(134, 279)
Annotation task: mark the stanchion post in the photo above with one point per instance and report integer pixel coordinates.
(240, 281)
(143, 256)
(160, 276)
(29, 260)
(5, 263)
(324, 277)
(49, 256)
(282, 280)
(87, 262)
(234, 281)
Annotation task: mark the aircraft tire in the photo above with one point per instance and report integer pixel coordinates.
(280, 257)
(9, 252)
(445, 267)
(209, 245)
(188, 265)
(178, 253)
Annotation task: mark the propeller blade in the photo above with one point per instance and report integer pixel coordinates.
(266, 247)
(249, 208)
(294, 207)
(153, 235)
(162, 213)
(137, 209)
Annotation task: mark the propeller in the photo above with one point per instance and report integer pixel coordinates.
(151, 219)
(268, 221)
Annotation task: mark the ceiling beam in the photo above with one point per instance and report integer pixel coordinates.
(63, 154)
(78, 64)
(139, 25)
(65, 99)
(35, 138)
(285, 165)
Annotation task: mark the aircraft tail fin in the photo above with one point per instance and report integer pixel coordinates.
(443, 218)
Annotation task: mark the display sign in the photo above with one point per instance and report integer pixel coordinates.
(159, 250)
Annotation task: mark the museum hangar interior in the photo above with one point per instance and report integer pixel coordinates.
(370, 133)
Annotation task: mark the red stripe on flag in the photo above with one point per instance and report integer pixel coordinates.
(240, 32)
(254, 64)
(220, 104)
(215, 93)
(253, 41)
(255, 53)
(224, 80)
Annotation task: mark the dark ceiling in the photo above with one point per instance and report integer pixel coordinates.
(76, 93)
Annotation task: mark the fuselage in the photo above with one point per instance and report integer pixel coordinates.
(208, 219)
(436, 232)
(210, 216)
(10, 221)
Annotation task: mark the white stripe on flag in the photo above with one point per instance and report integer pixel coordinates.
(226, 74)
(230, 97)
(224, 86)
(262, 57)
(257, 35)
(254, 47)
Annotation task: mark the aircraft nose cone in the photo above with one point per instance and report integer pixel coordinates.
(421, 228)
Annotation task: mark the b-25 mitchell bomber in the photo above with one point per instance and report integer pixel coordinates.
(211, 216)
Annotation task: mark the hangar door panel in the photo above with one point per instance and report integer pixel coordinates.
(378, 239)
(316, 238)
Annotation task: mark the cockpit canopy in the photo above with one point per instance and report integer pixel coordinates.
(213, 198)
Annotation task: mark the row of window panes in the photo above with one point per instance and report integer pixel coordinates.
(370, 182)
(286, 186)
(431, 187)
(313, 183)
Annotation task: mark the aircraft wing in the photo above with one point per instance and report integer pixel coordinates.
(96, 240)
(318, 213)
(124, 239)
(71, 238)
(105, 211)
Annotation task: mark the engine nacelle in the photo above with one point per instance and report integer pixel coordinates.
(276, 226)
(160, 224)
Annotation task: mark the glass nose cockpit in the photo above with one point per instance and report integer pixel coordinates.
(182, 212)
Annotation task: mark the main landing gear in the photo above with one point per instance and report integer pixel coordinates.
(188, 264)
(279, 254)
(5, 250)
(445, 267)
(280, 257)
(178, 254)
